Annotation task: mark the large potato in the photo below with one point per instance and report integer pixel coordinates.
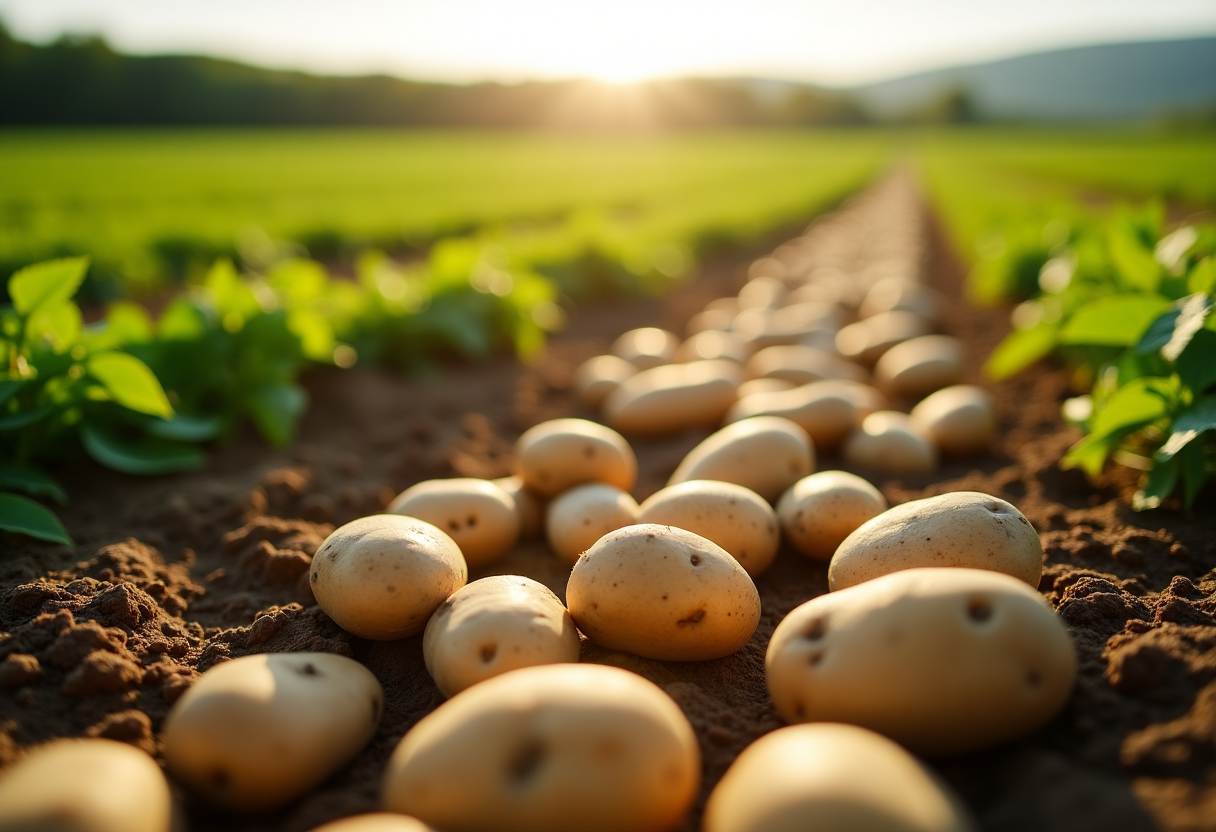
(829, 776)
(820, 511)
(493, 625)
(584, 514)
(85, 785)
(767, 454)
(554, 455)
(674, 397)
(382, 576)
(963, 528)
(940, 660)
(549, 749)
(475, 513)
(256, 732)
(663, 593)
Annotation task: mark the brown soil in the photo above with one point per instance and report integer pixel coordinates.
(171, 576)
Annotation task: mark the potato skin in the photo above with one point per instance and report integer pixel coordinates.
(960, 419)
(583, 514)
(554, 455)
(767, 454)
(920, 366)
(382, 576)
(827, 410)
(475, 513)
(674, 397)
(963, 528)
(887, 441)
(375, 822)
(941, 660)
(549, 748)
(663, 593)
(818, 512)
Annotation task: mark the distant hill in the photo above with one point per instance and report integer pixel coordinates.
(1113, 82)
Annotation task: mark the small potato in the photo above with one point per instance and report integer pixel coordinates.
(529, 506)
(769, 268)
(820, 511)
(376, 822)
(801, 364)
(963, 528)
(888, 442)
(549, 749)
(257, 732)
(675, 397)
(736, 518)
(663, 593)
(763, 292)
(868, 339)
(787, 325)
(824, 409)
(828, 776)
(767, 454)
(579, 517)
(85, 785)
(764, 385)
(711, 345)
(920, 366)
(891, 294)
(554, 455)
(475, 513)
(646, 347)
(710, 320)
(960, 420)
(493, 625)
(942, 661)
(597, 377)
(381, 577)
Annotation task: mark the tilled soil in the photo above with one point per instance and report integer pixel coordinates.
(171, 576)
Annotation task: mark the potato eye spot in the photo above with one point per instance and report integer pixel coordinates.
(315, 576)
(488, 652)
(979, 610)
(815, 658)
(694, 618)
(471, 521)
(454, 525)
(695, 560)
(524, 764)
(815, 630)
(588, 452)
(309, 669)
(800, 711)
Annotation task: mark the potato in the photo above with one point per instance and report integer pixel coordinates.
(867, 399)
(887, 441)
(646, 347)
(920, 366)
(766, 267)
(963, 528)
(820, 511)
(710, 345)
(762, 291)
(674, 398)
(493, 625)
(767, 454)
(942, 661)
(529, 506)
(763, 385)
(831, 777)
(890, 294)
(960, 420)
(584, 514)
(801, 364)
(596, 377)
(663, 593)
(548, 749)
(824, 409)
(381, 577)
(375, 822)
(257, 732)
(710, 320)
(868, 339)
(736, 518)
(554, 455)
(85, 785)
(475, 513)
(787, 325)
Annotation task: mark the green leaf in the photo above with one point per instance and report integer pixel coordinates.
(1192, 313)
(276, 409)
(1194, 471)
(43, 284)
(9, 388)
(1190, 423)
(1136, 264)
(145, 455)
(187, 428)
(59, 323)
(130, 382)
(1160, 483)
(1118, 321)
(25, 418)
(315, 334)
(32, 481)
(125, 323)
(24, 516)
(1196, 365)
(182, 321)
(1203, 276)
(1019, 350)
(1139, 403)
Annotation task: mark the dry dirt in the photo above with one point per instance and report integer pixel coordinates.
(171, 576)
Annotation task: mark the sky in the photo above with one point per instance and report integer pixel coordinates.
(831, 42)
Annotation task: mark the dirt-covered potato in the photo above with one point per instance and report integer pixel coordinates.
(549, 749)
(382, 576)
(801, 364)
(476, 513)
(257, 732)
(736, 518)
(824, 409)
(830, 776)
(597, 377)
(960, 419)
(820, 511)
(582, 515)
(674, 397)
(940, 660)
(529, 506)
(963, 528)
(493, 625)
(85, 785)
(554, 455)
(375, 822)
(646, 347)
(887, 441)
(919, 366)
(767, 454)
(663, 593)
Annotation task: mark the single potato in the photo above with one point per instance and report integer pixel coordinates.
(376, 822)
(382, 576)
(549, 749)
(554, 455)
(711, 345)
(920, 366)
(767, 454)
(736, 518)
(831, 776)
(255, 733)
(493, 625)
(674, 397)
(960, 420)
(887, 441)
(820, 511)
(963, 528)
(579, 517)
(942, 661)
(867, 340)
(597, 377)
(826, 410)
(646, 347)
(663, 593)
(475, 513)
(85, 785)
